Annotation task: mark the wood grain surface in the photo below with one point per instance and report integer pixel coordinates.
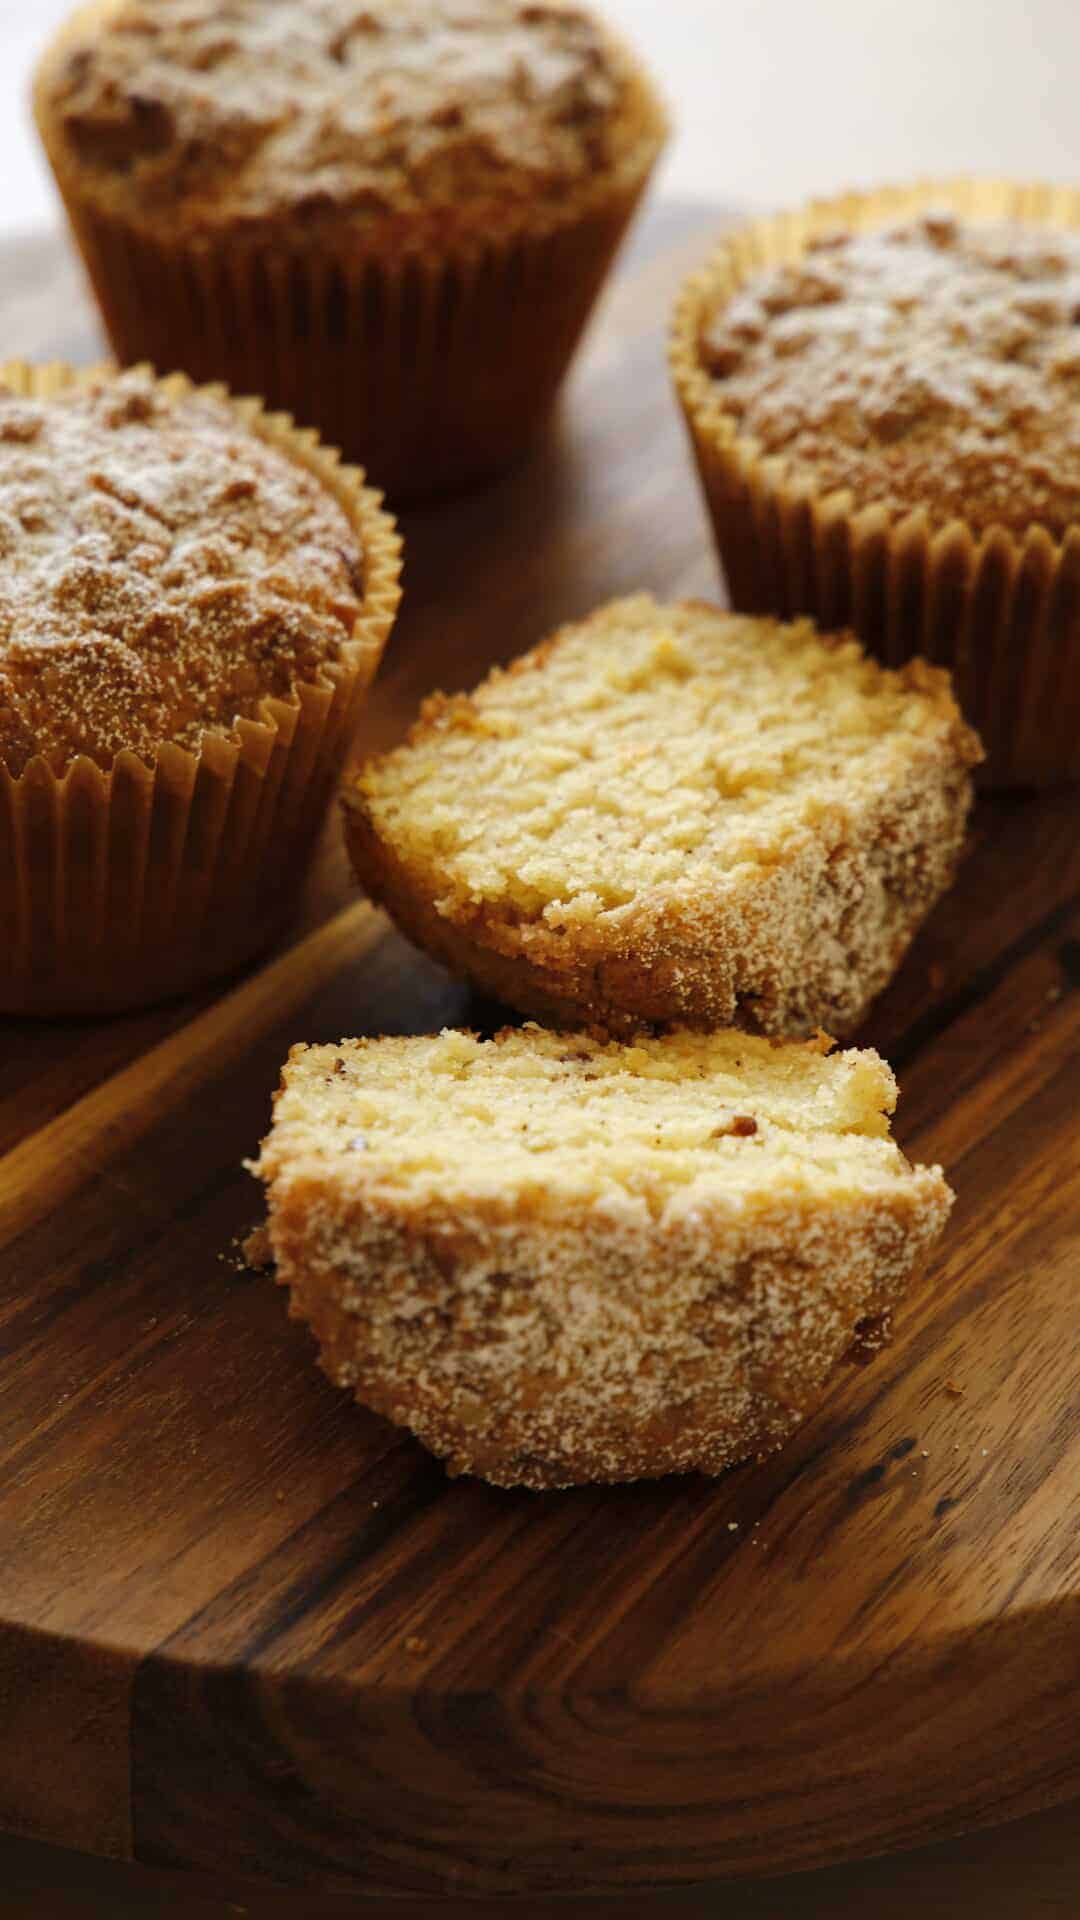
(247, 1629)
(1027, 1870)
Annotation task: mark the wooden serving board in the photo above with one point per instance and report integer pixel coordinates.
(246, 1628)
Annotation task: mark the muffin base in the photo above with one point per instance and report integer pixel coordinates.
(643, 1350)
(1001, 612)
(126, 886)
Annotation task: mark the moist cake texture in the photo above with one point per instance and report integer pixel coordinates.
(201, 112)
(162, 571)
(674, 814)
(931, 364)
(559, 1258)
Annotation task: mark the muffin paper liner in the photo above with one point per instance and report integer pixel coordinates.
(122, 887)
(1000, 611)
(435, 361)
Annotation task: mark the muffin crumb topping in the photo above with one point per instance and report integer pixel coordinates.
(931, 364)
(162, 571)
(232, 109)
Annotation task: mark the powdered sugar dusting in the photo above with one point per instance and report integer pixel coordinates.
(234, 110)
(933, 364)
(162, 571)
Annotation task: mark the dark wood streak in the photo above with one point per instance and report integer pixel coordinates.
(247, 1628)
(937, 1020)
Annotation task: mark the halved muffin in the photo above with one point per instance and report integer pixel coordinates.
(559, 1259)
(673, 814)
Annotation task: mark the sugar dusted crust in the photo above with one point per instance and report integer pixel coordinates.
(163, 571)
(712, 1343)
(800, 931)
(545, 1338)
(930, 363)
(197, 114)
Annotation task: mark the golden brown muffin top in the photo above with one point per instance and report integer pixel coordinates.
(210, 112)
(933, 364)
(162, 570)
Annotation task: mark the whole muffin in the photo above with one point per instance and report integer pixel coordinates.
(884, 398)
(193, 600)
(391, 218)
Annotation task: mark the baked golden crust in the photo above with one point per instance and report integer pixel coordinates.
(931, 363)
(163, 571)
(781, 907)
(544, 1329)
(332, 113)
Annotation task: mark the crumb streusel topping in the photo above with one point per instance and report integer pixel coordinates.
(214, 111)
(932, 364)
(162, 570)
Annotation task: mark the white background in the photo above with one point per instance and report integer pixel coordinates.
(775, 99)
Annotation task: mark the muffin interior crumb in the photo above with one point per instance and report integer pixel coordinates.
(162, 571)
(687, 1119)
(649, 748)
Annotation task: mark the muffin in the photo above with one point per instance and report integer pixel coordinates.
(883, 393)
(673, 814)
(193, 599)
(559, 1259)
(392, 218)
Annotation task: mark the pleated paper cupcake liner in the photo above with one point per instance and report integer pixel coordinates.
(1002, 612)
(126, 886)
(434, 363)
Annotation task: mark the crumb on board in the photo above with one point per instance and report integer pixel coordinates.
(416, 1644)
(954, 1387)
(256, 1249)
(249, 1253)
